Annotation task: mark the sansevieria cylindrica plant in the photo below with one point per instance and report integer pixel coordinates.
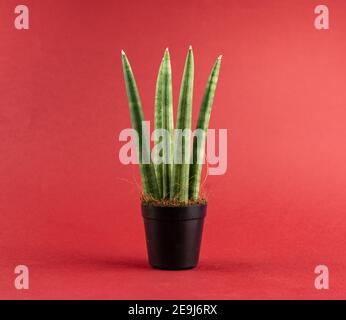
(175, 176)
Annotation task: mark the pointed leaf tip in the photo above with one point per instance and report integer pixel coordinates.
(166, 55)
(190, 47)
(123, 52)
(220, 57)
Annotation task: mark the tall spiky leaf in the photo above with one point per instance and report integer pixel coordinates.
(182, 144)
(147, 170)
(164, 121)
(168, 125)
(202, 127)
(158, 126)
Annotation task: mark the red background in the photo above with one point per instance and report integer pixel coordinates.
(70, 211)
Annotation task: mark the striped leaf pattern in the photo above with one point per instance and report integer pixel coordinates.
(175, 180)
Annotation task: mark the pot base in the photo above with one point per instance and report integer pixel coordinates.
(172, 269)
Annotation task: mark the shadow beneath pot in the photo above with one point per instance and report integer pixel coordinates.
(83, 261)
(227, 266)
(137, 264)
(111, 263)
(76, 261)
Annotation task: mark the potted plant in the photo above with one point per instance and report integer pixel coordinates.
(172, 208)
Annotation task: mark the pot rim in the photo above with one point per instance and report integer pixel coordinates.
(171, 213)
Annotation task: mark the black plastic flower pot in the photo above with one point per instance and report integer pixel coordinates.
(173, 235)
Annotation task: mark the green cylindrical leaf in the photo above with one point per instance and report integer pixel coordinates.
(150, 187)
(202, 125)
(182, 149)
(167, 121)
(159, 125)
(164, 122)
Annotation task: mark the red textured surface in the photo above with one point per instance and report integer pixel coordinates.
(70, 211)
